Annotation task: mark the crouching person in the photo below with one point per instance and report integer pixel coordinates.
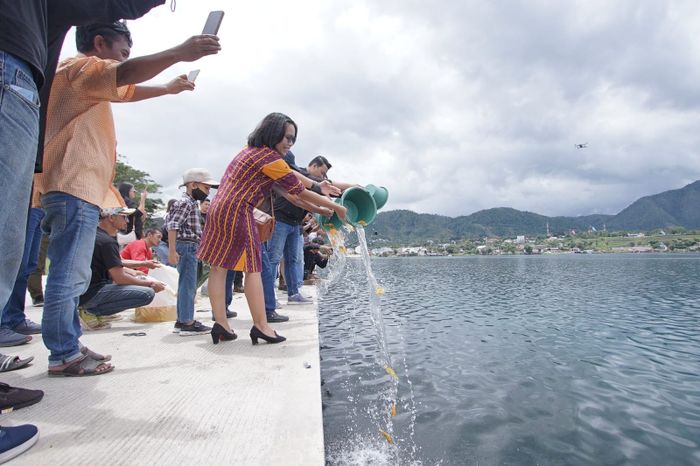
(113, 287)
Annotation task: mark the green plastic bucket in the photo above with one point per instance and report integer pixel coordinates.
(379, 193)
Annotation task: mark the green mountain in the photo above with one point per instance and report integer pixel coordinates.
(678, 207)
(675, 208)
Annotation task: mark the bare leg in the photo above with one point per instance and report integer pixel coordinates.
(256, 302)
(217, 296)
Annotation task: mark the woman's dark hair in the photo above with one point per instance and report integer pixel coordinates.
(85, 35)
(170, 204)
(271, 130)
(124, 189)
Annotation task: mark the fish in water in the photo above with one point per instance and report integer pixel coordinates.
(387, 437)
(391, 372)
(393, 409)
(379, 291)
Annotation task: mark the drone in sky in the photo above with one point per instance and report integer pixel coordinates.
(581, 146)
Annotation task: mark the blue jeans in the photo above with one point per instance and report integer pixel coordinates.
(71, 224)
(230, 275)
(13, 314)
(113, 298)
(187, 281)
(268, 279)
(19, 133)
(162, 253)
(287, 240)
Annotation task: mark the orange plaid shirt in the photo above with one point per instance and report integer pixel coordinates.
(80, 151)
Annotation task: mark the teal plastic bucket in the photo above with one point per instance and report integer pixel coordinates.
(379, 193)
(333, 223)
(361, 209)
(360, 204)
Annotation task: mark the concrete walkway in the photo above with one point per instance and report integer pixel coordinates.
(180, 400)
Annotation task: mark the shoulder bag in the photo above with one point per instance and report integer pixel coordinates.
(265, 222)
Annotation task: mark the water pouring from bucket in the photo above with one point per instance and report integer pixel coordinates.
(361, 205)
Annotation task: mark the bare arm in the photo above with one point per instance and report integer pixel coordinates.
(142, 202)
(343, 185)
(173, 258)
(325, 186)
(321, 201)
(141, 69)
(175, 86)
(120, 277)
(306, 205)
(132, 264)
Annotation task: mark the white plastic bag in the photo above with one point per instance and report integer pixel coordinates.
(163, 308)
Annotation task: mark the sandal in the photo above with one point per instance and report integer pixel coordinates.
(96, 356)
(11, 363)
(81, 367)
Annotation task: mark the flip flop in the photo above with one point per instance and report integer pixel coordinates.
(11, 363)
(135, 334)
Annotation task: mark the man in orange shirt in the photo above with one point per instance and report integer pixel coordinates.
(141, 251)
(78, 170)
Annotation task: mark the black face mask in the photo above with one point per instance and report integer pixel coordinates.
(198, 194)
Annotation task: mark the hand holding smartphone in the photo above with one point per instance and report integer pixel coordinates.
(192, 75)
(213, 22)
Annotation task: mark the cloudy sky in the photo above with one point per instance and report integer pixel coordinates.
(454, 106)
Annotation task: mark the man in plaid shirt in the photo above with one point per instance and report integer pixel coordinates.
(184, 226)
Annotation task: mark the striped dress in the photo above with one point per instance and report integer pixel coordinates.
(230, 239)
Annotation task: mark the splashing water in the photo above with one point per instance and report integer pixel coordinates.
(382, 445)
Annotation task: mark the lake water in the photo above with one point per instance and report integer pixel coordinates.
(561, 359)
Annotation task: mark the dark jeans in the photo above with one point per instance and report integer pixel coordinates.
(112, 298)
(34, 285)
(13, 314)
(19, 134)
(268, 279)
(233, 278)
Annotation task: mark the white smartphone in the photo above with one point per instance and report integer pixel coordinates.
(192, 75)
(213, 23)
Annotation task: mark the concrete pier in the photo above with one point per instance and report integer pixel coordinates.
(180, 400)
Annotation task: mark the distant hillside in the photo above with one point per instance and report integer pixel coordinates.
(679, 207)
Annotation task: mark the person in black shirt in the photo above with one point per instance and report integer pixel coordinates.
(113, 287)
(287, 238)
(312, 258)
(31, 37)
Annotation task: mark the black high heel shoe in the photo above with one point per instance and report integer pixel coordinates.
(255, 333)
(219, 333)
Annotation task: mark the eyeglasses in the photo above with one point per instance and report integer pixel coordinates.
(290, 139)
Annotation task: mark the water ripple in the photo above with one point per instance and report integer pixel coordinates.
(517, 360)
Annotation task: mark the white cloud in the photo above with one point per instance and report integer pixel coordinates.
(453, 106)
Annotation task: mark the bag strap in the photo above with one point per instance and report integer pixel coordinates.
(272, 204)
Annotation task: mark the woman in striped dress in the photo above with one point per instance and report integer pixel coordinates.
(230, 240)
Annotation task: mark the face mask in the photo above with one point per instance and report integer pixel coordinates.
(198, 194)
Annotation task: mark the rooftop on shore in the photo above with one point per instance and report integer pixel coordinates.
(180, 400)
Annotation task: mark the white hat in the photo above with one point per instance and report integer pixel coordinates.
(116, 211)
(199, 175)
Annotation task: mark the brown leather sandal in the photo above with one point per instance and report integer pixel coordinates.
(96, 356)
(81, 367)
